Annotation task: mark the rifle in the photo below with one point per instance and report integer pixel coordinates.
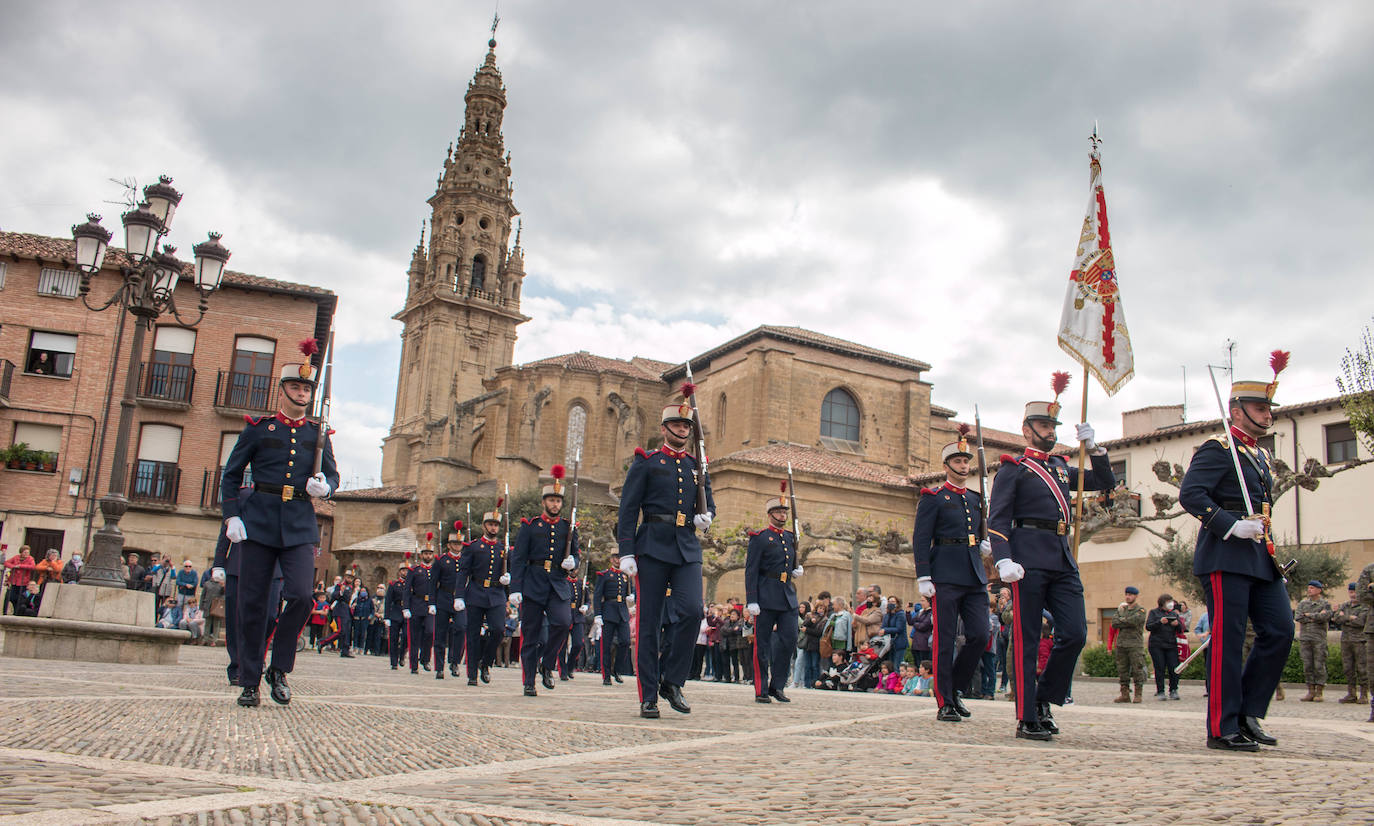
(792, 500)
(572, 514)
(469, 524)
(982, 476)
(327, 382)
(505, 552)
(690, 391)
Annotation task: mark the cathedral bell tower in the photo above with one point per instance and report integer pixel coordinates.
(463, 294)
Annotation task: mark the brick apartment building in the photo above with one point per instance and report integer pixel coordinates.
(62, 375)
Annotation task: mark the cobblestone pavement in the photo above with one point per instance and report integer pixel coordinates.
(87, 743)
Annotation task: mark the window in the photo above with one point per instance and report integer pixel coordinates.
(226, 446)
(40, 541)
(52, 281)
(393, 525)
(1119, 471)
(45, 439)
(720, 416)
(1104, 623)
(250, 374)
(479, 272)
(4, 267)
(1267, 442)
(577, 431)
(169, 373)
(156, 474)
(1340, 443)
(51, 354)
(840, 416)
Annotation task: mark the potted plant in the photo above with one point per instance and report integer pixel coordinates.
(47, 461)
(14, 455)
(30, 459)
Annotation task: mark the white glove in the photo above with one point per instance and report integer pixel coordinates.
(515, 597)
(798, 571)
(985, 547)
(406, 613)
(1086, 435)
(597, 622)
(234, 529)
(753, 609)
(433, 609)
(702, 521)
(1246, 529)
(317, 487)
(505, 579)
(926, 587)
(1009, 571)
(630, 599)
(217, 574)
(568, 563)
(460, 605)
(386, 622)
(628, 566)
(586, 609)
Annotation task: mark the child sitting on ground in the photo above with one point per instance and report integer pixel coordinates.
(922, 680)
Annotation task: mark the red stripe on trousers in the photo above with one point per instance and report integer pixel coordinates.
(634, 638)
(935, 651)
(757, 686)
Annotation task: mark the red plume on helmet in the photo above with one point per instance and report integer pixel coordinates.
(407, 556)
(309, 347)
(964, 429)
(457, 524)
(558, 471)
(429, 535)
(688, 389)
(782, 486)
(1278, 360)
(500, 500)
(1059, 382)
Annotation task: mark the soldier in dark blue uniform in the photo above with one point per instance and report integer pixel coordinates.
(663, 552)
(341, 609)
(276, 526)
(1028, 525)
(393, 617)
(567, 658)
(360, 606)
(609, 604)
(450, 621)
(948, 545)
(1240, 580)
(417, 598)
(539, 586)
(481, 579)
(771, 567)
(225, 568)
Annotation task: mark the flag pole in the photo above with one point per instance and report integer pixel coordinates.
(1082, 460)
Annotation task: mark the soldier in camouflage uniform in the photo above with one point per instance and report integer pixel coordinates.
(1313, 614)
(1364, 590)
(1351, 617)
(1129, 648)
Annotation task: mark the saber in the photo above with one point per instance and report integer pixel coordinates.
(469, 524)
(572, 515)
(327, 382)
(982, 476)
(505, 551)
(1202, 646)
(792, 497)
(1235, 462)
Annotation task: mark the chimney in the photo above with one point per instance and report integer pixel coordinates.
(1147, 420)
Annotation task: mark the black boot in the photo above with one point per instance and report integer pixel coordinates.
(530, 692)
(546, 678)
(1032, 731)
(649, 709)
(763, 698)
(1250, 727)
(959, 706)
(949, 714)
(673, 694)
(472, 681)
(249, 697)
(453, 669)
(486, 674)
(777, 694)
(1042, 709)
(281, 692)
(1232, 742)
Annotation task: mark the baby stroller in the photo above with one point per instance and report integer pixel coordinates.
(862, 672)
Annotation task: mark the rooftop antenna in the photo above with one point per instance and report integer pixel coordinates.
(1231, 358)
(1183, 415)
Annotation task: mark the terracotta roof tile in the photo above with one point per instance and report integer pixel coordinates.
(389, 493)
(28, 245)
(586, 362)
(814, 460)
(800, 335)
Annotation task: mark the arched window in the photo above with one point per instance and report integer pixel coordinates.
(393, 525)
(840, 416)
(720, 416)
(479, 272)
(577, 430)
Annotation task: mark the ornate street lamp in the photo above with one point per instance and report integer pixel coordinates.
(148, 290)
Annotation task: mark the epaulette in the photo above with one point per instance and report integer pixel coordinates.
(252, 420)
(927, 492)
(755, 533)
(641, 453)
(1007, 457)
(331, 432)
(1219, 438)
(524, 520)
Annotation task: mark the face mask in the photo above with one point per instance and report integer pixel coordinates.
(1168, 606)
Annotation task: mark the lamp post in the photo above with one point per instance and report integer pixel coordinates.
(148, 289)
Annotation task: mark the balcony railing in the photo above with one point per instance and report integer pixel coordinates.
(154, 482)
(164, 382)
(246, 392)
(6, 376)
(210, 485)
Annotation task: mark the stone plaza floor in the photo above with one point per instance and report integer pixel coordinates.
(86, 743)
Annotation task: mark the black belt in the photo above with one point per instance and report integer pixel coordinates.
(783, 576)
(1040, 525)
(297, 494)
(960, 541)
(670, 518)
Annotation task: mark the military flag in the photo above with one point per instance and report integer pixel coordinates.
(1092, 328)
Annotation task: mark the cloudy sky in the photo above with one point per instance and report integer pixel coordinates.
(907, 175)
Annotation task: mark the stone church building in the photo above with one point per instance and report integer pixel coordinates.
(856, 424)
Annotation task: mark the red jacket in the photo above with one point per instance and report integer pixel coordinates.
(21, 570)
